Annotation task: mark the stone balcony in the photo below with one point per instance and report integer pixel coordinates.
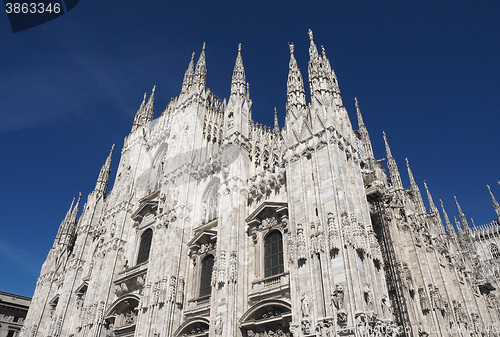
(270, 287)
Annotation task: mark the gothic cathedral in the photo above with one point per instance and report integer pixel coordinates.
(219, 226)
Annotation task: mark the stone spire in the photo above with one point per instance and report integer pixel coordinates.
(393, 167)
(276, 124)
(495, 202)
(449, 226)
(416, 191)
(188, 76)
(295, 93)
(459, 226)
(74, 212)
(200, 73)
(145, 113)
(463, 219)
(363, 131)
(64, 224)
(149, 109)
(238, 82)
(432, 208)
(319, 69)
(103, 179)
(139, 115)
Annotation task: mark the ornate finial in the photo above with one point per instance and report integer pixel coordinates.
(292, 49)
(387, 148)
(323, 51)
(310, 33)
(192, 56)
(356, 102)
(203, 48)
(496, 205)
(144, 98)
(276, 125)
(154, 88)
(238, 82)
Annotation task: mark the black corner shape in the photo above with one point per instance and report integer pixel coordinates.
(25, 14)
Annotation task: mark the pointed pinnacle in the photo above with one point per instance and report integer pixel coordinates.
(238, 82)
(358, 112)
(313, 51)
(74, 212)
(143, 101)
(70, 210)
(200, 72)
(496, 205)
(152, 97)
(449, 226)
(387, 148)
(276, 125)
(410, 174)
(432, 207)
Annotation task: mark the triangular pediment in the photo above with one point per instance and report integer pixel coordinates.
(278, 207)
(203, 236)
(148, 204)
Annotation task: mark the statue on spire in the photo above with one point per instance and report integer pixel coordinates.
(495, 202)
(276, 124)
(103, 179)
(188, 75)
(238, 82)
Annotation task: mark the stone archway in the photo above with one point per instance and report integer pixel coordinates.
(120, 318)
(267, 318)
(194, 327)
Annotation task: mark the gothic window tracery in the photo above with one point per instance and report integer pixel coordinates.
(145, 246)
(211, 201)
(273, 254)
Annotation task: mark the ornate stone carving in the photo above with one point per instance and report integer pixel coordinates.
(424, 303)
(233, 265)
(301, 243)
(221, 277)
(306, 327)
(179, 296)
(346, 230)
(304, 305)
(338, 297)
(290, 248)
(218, 326)
(333, 233)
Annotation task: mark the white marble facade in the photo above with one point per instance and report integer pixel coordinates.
(218, 226)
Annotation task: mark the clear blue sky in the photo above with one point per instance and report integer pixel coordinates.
(426, 72)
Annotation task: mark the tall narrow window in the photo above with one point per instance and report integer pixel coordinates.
(206, 275)
(494, 251)
(273, 254)
(145, 246)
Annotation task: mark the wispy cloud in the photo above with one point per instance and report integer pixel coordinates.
(23, 259)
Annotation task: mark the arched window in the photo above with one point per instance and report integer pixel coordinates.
(273, 254)
(206, 275)
(494, 251)
(145, 246)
